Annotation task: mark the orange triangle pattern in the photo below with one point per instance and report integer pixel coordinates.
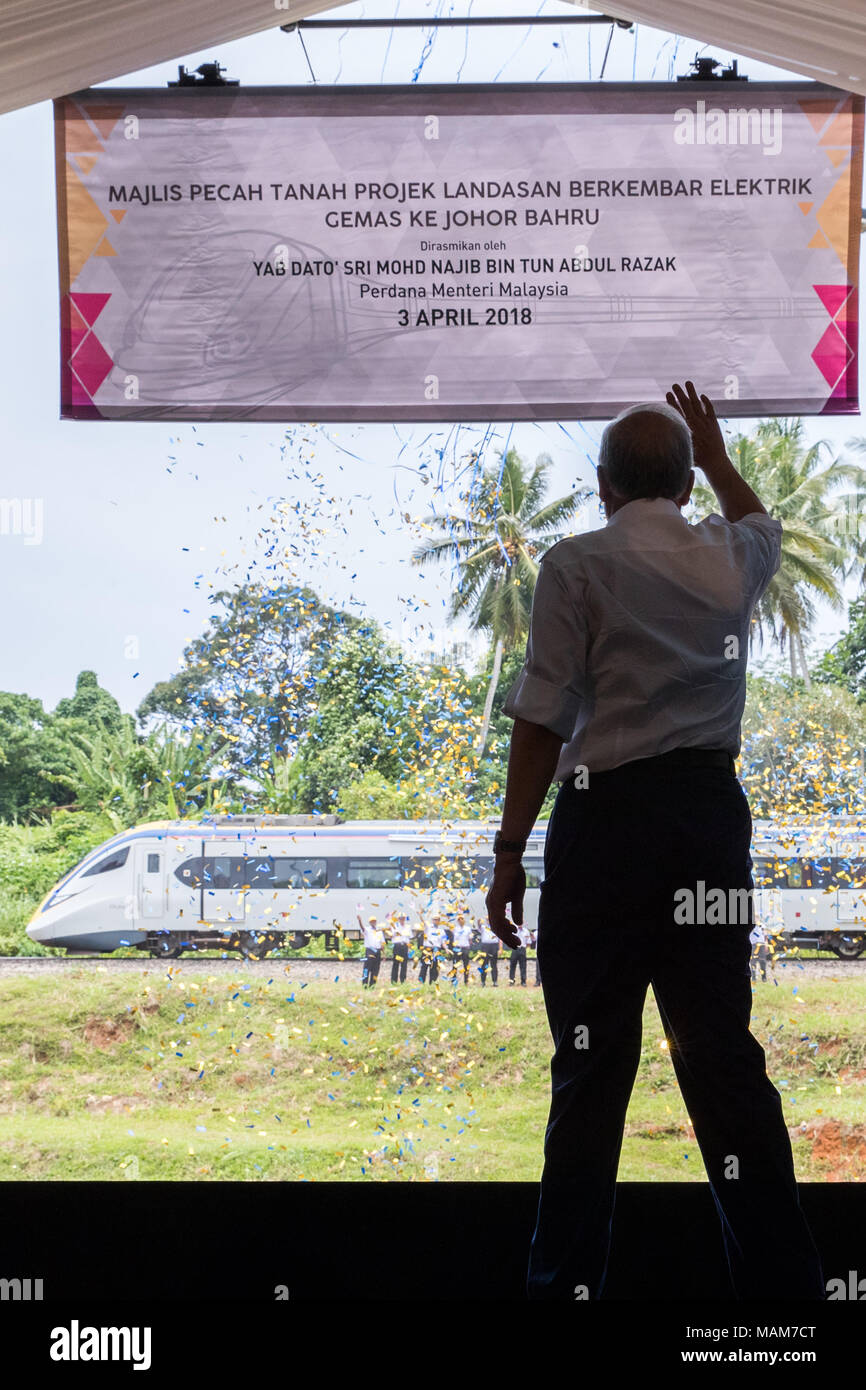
(85, 223)
(80, 139)
(817, 112)
(85, 162)
(119, 213)
(105, 118)
(818, 241)
(833, 218)
(805, 207)
(105, 248)
(840, 131)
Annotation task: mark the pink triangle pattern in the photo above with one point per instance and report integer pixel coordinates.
(91, 364)
(90, 306)
(832, 297)
(836, 353)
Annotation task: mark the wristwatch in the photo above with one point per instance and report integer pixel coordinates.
(514, 846)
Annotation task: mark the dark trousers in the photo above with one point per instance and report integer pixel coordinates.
(490, 962)
(398, 963)
(370, 973)
(460, 957)
(517, 961)
(429, 966)
(616, 853)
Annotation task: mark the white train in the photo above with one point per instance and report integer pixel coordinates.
(248, 884)
(810, 883)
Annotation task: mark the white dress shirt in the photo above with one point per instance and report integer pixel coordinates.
(639, 634)
(374, 937)
(462, 935)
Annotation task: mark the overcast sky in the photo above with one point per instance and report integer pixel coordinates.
(142, 520)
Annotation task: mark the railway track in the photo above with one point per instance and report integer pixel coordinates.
(783, 965)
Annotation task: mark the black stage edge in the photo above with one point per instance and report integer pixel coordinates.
(169, 1254)
(384, 1241)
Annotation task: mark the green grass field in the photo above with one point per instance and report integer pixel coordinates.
(166, 1073)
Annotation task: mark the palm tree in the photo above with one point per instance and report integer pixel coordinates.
(497, 544)
(817, 537)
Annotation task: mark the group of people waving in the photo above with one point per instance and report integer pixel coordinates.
(439, 940)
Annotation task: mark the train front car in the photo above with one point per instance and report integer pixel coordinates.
(93, 907)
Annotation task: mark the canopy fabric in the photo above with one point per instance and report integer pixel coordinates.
(50, 47)
(822, 39)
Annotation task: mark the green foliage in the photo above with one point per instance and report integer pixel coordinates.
(402, 719)
(90, 704)
(845, 663)
(802, 750)
(127, 777)
(32, 860)
(798, 487)
(34, 756)
(250, 681)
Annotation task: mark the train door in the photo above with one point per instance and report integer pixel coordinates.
(150, 881)
(770, 876)
(850, 874)
(183, 860)
(799, 901)
(223, 882)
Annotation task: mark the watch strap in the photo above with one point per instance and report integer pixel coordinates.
(511, 846)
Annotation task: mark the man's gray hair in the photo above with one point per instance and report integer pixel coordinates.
(647, 452)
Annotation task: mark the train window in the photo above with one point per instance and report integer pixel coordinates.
(420, 873)
(153, 863)
(115, 860)
(795, 877)
(222, 872)
(373, 873)
(766, 873)
(265, 872)
(300, 873)
(849, 873)
(445, 871)
(484, 865)
(534, 869)
(821, 873)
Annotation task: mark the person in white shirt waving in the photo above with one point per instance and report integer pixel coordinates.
(431, 950)
(374, 942)
(631, 697)
(400, 934)
(460, 945)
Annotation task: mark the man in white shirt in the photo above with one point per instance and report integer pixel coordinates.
(401, 937)
(460, 944)
(434, 941)
(631, 696)
(374, 941)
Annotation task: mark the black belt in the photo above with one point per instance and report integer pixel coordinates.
(678, 757)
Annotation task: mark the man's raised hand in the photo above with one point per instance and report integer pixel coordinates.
(708, 445)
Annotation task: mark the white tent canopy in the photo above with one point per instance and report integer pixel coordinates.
(50, 47)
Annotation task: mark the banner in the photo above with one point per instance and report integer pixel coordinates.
(457, 253)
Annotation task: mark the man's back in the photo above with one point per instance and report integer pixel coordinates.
(642, 629)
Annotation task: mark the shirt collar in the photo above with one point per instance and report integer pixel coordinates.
(642, 506)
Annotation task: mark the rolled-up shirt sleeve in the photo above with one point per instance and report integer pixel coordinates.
(550, 688)
(765, 533)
